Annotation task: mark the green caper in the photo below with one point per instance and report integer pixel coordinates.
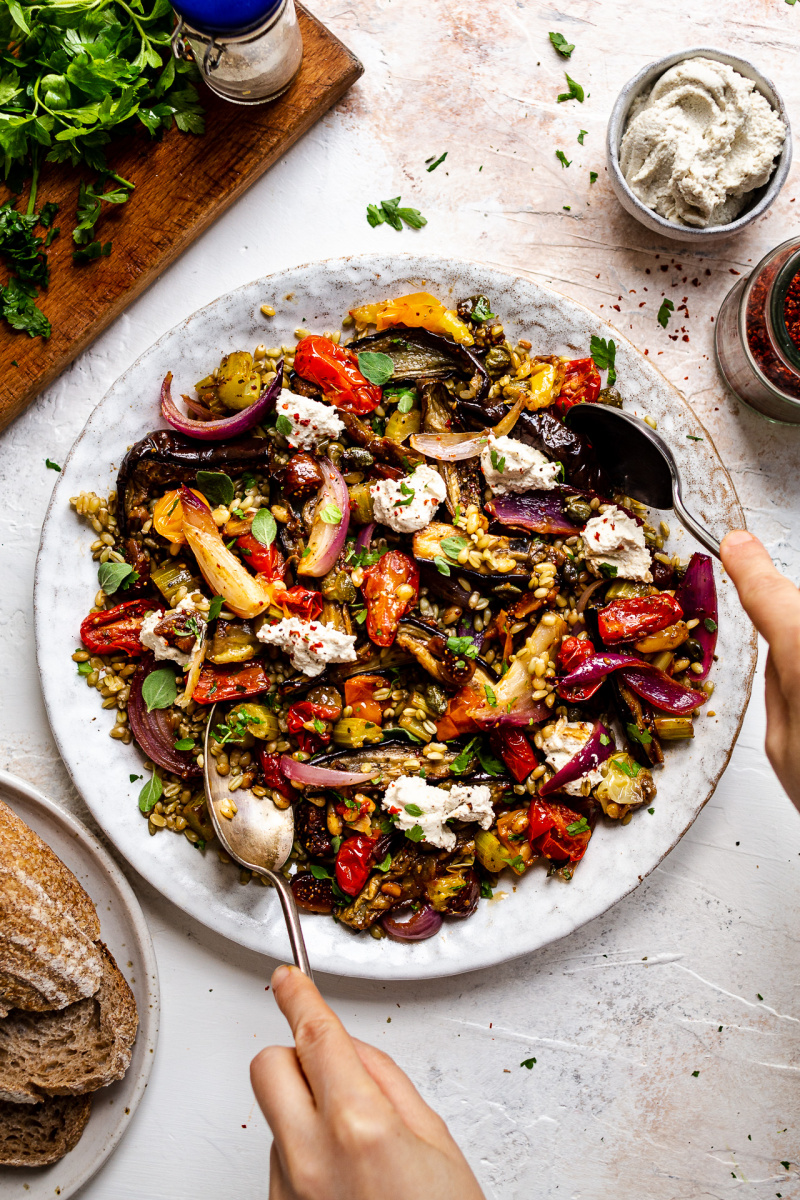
(497, 362)
(693, 650)
(338, 587)
(577, 510)
(356, 459)
(436, 699)
(610, 395)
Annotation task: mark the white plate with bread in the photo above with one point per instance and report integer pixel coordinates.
(76, 966)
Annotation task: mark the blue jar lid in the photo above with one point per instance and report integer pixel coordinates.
(230, 17)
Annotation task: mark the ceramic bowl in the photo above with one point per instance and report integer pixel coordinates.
(760, 199)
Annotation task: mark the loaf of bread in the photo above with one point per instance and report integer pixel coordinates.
(68, 1018)
(48, 925)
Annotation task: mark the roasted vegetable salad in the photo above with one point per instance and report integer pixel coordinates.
(427, 621)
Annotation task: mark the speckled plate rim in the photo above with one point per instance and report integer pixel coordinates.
(65, 1177)
(254, 921)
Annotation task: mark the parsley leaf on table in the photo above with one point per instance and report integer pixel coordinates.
(562, 158)
(575, 91)
(389, 211)
(561, 44)
(664, 311)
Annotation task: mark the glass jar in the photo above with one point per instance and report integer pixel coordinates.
(249, 51)
(758, 336)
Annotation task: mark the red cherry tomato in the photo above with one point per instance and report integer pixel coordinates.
(300, 602)
(581, 383)
(335, 371)
(226, 683)
(264, 560)
(116, 628)
(273, 775)
(354, 862)
(385, 594)
(628, 620)
(548, 831)
(573, 652)
(515, 750)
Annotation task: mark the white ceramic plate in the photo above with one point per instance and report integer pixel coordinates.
(539, 910)
(125, 932)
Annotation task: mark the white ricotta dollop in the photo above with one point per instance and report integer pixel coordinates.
(311, 420)
(566, 738)
(407, 505)
(412, 802)
(511, 466)
(159, 645)
(309, 644)
(613, 539)
(699, 142)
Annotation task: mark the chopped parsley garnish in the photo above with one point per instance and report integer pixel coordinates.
(497, 462)
(460, 764)
(442, 566)
(561, 44)
(264, 528)
(48, 462)
(604, 354)
(575, 91)
(319, 726)
(216, 486)
(150, 794)
(529, 1062)
(664, 311)
(186, 743)
(581, 826)
(113, 575)
(609, 570)
(331, 514)
(631, 769)
(391, 212)
(491, 698)
(562, 158)
(437, 162)
(377, 368)
(693, 437)
(490, 764)
(284, 425)
(415, 834)
(638, 735)
(582, 134)
(86, 668)
(215, 608)
(593, 177)
(604, 739)
(463, 645)
(319, 872)
(408, 492)
(453, 546)
(710, 624)
(403, 396)
(486, 890)
(694, 1076)
(133, 778)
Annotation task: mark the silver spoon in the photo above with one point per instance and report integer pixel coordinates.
(638, 461)
(259, 837)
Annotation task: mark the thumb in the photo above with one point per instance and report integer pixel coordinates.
(770, 600)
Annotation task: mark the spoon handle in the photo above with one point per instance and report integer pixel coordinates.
(691, 525)
(292, 918)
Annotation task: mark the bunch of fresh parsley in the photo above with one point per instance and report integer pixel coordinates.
(74, 74)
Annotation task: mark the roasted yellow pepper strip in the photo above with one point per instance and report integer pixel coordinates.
(420, 310)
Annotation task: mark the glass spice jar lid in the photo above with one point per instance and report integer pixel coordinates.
(231, 17)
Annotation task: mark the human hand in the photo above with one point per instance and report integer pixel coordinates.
(773, 604)
(348, 1124)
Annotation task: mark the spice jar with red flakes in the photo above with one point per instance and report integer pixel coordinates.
(758, 336)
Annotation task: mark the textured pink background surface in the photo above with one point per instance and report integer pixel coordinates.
(620, 1014)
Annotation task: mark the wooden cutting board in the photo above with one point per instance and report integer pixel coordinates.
(183, 183)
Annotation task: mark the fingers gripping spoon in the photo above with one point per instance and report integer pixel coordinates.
(259, 836)
(638, 461)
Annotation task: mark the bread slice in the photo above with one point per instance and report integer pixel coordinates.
(72, 1051)
(39, 1134)
(48, 925)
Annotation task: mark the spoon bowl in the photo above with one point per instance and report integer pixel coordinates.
(258, 835)
(638, 460)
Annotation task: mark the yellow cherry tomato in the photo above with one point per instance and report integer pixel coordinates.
(420, 310)
(168, 516)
